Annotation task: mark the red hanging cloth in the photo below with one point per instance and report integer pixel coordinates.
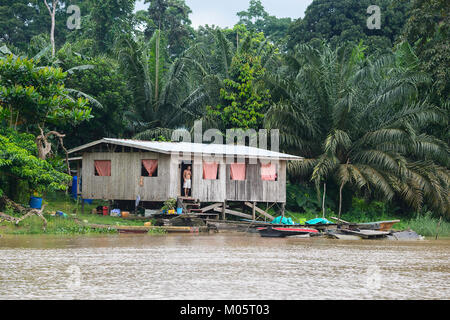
(268, 172)
(237, 171)
(210, 170)
(150, 166)
(103, 167)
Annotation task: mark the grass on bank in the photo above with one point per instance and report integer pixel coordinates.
(55, 226)
(59, 225)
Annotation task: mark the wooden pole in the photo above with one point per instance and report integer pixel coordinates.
(224, 206)
(340, 199)
(437, 228)
(259, 210)
(323, 200)
(283, 205)
(254, 211)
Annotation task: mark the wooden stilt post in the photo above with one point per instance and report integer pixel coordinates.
(223, 209)
(254, 211)
(82, 205)
(282, 209)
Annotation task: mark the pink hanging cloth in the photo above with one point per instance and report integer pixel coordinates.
(103, 167)
(237, 171)
(210, 170)
(268, 172)
(150, 166)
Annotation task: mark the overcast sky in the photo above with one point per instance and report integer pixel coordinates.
(223, 12)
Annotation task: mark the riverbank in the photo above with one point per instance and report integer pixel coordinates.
(68, 224)
(76, 222)
(424, 224)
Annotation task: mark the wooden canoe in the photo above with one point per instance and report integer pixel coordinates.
(378, 225)
(281, 232)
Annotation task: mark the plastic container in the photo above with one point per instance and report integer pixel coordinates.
(179, 210)
(36, 202)
(115, 213)
(125, 214)
(61, 214)
(105, 211)
(74, 187)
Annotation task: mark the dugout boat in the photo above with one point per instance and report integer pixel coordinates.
(282, 232)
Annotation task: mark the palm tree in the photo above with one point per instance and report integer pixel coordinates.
(358, 122)
(172, 94)
(166, 93)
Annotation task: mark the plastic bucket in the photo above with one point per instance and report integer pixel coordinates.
(36, 202)
(179, 210)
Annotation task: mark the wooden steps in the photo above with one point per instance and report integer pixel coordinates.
(189, 204)
(193, 206)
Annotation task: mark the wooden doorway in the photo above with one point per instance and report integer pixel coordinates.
(184, 166)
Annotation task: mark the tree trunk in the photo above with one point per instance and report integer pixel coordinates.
(15, 206)
(157, 65)
(19, 208)
(52, 30)
(44, 146)
(17, 119)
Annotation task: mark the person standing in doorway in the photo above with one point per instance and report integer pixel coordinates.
(187, 181)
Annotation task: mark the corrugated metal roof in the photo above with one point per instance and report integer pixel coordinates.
(194, 148)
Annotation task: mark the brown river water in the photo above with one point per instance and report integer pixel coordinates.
(221, 266)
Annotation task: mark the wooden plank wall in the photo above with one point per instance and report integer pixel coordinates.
(208, 190)
(124, 182)
(126, 174)
(253, 188)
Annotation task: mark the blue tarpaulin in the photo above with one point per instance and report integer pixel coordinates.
(282, 220)
(318, 221)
